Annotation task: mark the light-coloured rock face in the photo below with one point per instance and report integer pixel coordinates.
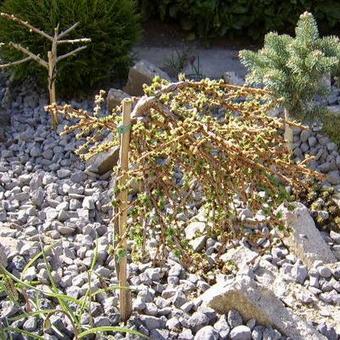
(142, 73)
(305, 239)
(114, 98)
(256, 301)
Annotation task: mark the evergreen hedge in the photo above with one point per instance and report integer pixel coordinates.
(112, 25)
(211, 18)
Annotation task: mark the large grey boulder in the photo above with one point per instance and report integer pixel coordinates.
(304, 238)
(142, 73)
(253, 300)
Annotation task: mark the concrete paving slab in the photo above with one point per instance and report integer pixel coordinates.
(213, 61)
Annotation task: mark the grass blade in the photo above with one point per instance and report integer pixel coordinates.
(21, 331)
(30, 262)
(110, 329)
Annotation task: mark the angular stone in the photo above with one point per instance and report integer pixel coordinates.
(222, 327)
(333, 177)
(114, 98)
(253, 300)
(104, 161)
(305, 134)
(206, 333)
(194, 229)
(10, 245)
(37, 197)
(197, 321)
(198, 243)
(30, 324)
(324, 271)
(142, 73)
(234, 318)
(152, 322)
(312, 141)
(305, 239)
(240, 333)
(232, 78)
(186, 334)
(88, 203)
(63, 173)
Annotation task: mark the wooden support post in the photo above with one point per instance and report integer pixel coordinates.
(288, 134)
(125, 294)
(52, 71)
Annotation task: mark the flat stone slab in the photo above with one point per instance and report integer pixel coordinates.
(256, 301)
(104, 161)
(305, 239)
(240, 256)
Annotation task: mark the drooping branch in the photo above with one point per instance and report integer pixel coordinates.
(181, 149)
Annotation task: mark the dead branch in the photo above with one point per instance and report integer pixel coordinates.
(14, 63)
(29, 53)
(26, 24)
(64, 33)
(71, 53)
(74, 41)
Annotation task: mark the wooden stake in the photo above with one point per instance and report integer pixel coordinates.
(125, 295)
(288, 134)
(52, 71)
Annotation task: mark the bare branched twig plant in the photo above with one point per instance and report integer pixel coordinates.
(52, 57)
(195, 145)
